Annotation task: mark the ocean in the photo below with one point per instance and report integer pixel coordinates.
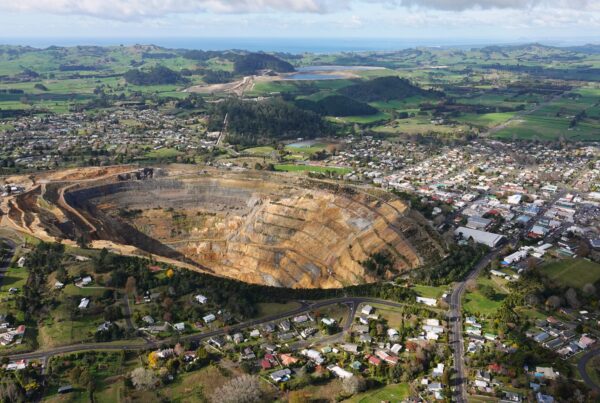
(288, 45)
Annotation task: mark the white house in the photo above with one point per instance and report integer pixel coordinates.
(439, 370)
(432, 322)
(340, 372)
(209, 318)
(328, 321)
(393, 334)
(201, 299)
(313, 355)
(366, 310)
(427, 301)
(84, 303)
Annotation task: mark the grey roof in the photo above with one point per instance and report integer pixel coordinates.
(486, 238)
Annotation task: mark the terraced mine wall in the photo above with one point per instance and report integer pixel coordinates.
(278, 231)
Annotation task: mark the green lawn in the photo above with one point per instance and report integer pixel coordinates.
(14, 277)
(429, 291)
(59, 329)
(307, 150)
(311, 168)
(476, 302)
(390, 393)
(268, 308)
(195, 386)
(265, 150)
(394, 316)
(486, 119)
(91, 291)
(572, 272)
(367, 119)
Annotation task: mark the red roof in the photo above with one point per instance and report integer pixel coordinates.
(374, 360)
(21, 329)
(265, 364)
(155, 268)
(495, 367)
(287, 359)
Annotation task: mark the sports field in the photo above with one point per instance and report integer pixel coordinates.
(573, 272)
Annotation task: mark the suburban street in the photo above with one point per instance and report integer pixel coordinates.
(581, 364)
(456, 334)
(456, 339)
(305, 307)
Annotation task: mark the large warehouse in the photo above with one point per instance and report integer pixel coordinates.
(487, 238)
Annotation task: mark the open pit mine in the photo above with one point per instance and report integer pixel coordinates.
(257, 227)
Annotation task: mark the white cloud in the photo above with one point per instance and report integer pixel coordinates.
(127, 9)
(357, 13)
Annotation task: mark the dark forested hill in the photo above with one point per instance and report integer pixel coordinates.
(385, 89)
(158, 75)
(255, 122)
(337, 105)
(252, 62)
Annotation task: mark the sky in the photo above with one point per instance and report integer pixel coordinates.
(500, 21)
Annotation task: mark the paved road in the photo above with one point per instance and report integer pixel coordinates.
(148, 344)
(455, 312)
(581, 368)
(456, 333)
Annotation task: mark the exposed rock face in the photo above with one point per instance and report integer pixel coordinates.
(259, 228)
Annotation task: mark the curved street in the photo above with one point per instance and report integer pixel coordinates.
(582, 363)
(305, 307)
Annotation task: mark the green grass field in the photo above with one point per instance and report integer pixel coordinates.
(92, 291)
(419, 125)
(393, 316)
(572, 272)
(429, 291)
(311, 168)
(486, 119)
(14, 277)
(260, 151)
(163, 153)
(476, 302)
(390, 393)
(368, 119)
(268, 309)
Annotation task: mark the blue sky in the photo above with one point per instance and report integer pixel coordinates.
(475, 20)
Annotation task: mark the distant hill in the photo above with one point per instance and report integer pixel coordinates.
(337, 105)
(253, 62)
(385, 89)
(158, 75)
